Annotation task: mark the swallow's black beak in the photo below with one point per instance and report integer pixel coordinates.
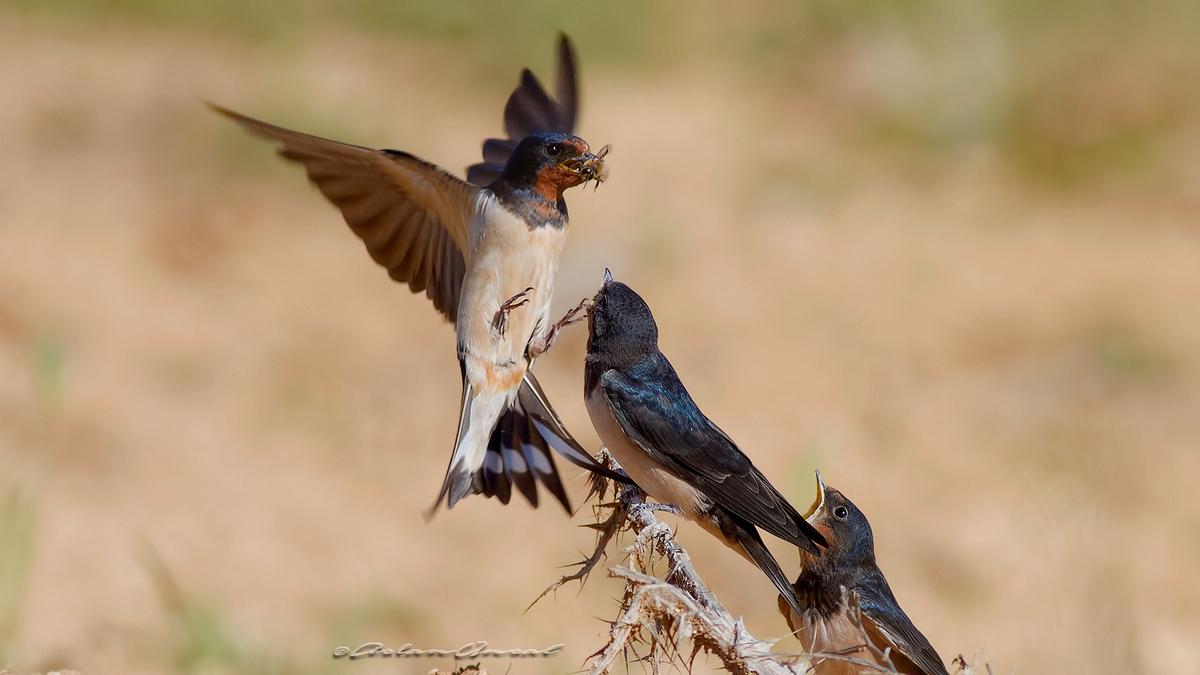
(591, 306)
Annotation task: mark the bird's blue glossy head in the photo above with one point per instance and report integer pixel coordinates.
(550, 162)
(851, 541)
(620, 324)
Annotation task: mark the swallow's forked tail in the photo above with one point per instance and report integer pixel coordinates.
(529, 111)
(516, 451)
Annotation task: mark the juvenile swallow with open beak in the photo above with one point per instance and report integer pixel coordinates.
(846, 605)
(653, 428)
(487, 255)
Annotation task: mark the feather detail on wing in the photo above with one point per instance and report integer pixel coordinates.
(529, 111)
(414, 217)
(665, 422)
(888, 626)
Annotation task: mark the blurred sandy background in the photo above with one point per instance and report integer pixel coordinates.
(947, 252)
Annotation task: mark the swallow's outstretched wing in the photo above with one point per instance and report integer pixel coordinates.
(657, 413)
(529, 111)
(414, 218)
(887, 625)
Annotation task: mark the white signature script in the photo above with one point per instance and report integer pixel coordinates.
(468, 651)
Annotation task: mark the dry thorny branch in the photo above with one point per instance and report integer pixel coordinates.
(664, 615)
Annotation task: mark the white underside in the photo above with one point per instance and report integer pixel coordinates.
(649, 475)
(507, 257)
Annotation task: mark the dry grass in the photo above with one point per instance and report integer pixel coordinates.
(946, 252)
(18, 528)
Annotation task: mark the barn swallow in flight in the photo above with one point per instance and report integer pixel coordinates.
(653, 428)
(486, 254)
(844, 578)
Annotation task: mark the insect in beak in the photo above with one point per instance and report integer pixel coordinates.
(590, 167)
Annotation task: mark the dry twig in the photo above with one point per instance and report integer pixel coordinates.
(666, 614)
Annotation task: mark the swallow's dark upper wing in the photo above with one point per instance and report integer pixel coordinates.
(657, 413)
(887, 624)
(529, 111)
(414, 218)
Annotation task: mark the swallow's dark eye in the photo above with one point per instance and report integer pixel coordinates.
(840, 513)
(554, 149)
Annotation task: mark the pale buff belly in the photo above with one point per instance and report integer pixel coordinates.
(649, 475)
(838, 634)
(508, 258)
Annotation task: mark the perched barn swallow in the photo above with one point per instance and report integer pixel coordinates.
(487, 256)
(654, 429)
(842, 588)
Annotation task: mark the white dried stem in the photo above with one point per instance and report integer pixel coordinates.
(666, 614)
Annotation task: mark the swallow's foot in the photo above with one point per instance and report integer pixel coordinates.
(665, 508)
(539, 346)
(500, 320)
